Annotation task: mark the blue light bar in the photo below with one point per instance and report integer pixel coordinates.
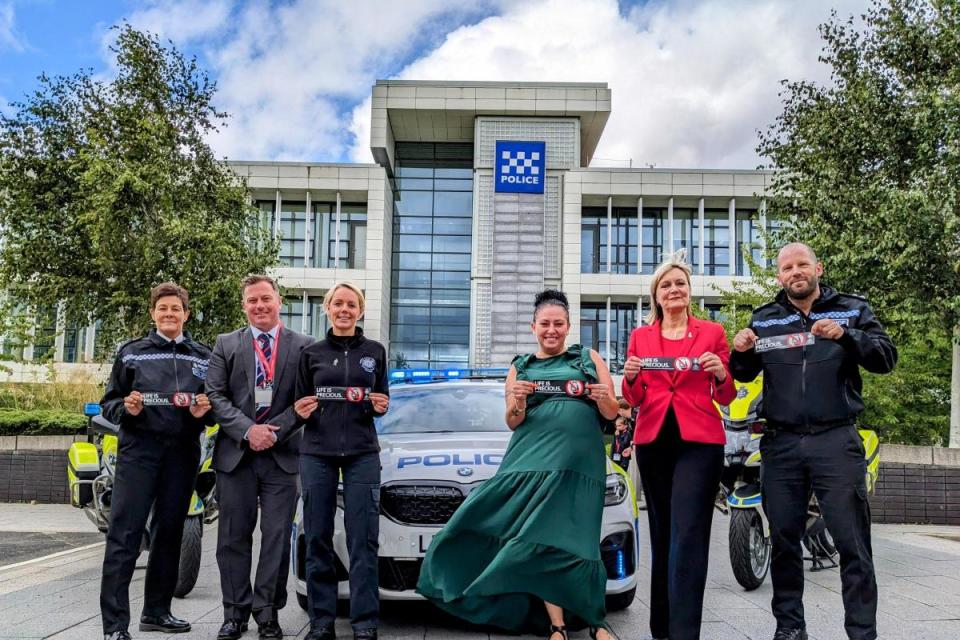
(438, 375)
(621, 565)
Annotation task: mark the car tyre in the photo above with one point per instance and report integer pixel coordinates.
(620, 601)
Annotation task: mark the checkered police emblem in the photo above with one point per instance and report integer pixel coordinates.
(520, 166)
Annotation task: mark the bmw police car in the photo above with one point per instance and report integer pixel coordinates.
(444, 435)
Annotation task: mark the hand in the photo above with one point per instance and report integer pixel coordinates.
(711, 363)
(380, 402)
(826, 328)
(306, 406)
(598, 392)
(201, 406)
(262, 436)
(744, 340)
(631, 368)
(133, 403)
(519, 391)
(627, 452)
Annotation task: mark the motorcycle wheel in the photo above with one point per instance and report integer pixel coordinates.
(749, 549)
(190, 551)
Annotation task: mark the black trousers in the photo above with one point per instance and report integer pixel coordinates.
(361, 497)
(680, 481)
(151, 472)
(258, 481)
(831, 464)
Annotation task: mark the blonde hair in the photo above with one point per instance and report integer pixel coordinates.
(677, 260)
(328, 297)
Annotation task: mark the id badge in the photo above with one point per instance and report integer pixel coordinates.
(263, 396)
(616, 457)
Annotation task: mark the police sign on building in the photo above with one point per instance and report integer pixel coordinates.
(521, 166)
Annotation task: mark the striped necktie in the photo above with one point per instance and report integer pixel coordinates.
(264, 339)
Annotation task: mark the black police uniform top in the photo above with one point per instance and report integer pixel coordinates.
(817, 386)
(339, 427)
(154, 364)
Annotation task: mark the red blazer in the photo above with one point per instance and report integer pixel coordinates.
(690, 392)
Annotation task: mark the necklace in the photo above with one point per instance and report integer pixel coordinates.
(673, 333)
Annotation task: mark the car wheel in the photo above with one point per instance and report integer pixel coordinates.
(620, 601)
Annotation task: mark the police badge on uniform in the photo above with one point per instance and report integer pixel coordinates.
(368, 364)
(200, 370)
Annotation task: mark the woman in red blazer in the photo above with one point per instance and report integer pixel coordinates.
(677, 366)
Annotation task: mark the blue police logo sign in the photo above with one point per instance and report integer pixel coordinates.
(520, 167)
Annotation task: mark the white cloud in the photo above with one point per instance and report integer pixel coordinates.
(9, 38)
(291, 73)
(691, 81)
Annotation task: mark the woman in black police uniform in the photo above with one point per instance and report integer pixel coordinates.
(341, 385)
(155, 395)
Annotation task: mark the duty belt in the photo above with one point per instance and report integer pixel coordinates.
(343, 394)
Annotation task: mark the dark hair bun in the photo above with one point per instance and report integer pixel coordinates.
(551, 296)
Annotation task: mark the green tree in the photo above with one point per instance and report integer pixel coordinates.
(868, 168)
(108, 187)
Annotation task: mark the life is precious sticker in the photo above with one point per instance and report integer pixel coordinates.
(786, 341)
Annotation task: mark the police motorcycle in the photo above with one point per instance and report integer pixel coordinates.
(739, 495)
(90, 471)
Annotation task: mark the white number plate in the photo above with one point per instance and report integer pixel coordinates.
(425, 540)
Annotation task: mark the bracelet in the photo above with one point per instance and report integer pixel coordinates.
(516, 411)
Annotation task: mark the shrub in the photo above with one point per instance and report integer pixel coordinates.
(41, 422)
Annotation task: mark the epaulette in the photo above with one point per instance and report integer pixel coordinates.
(129, 342)
(852, 295)
(764, 306)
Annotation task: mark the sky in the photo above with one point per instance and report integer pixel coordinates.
(693, 81)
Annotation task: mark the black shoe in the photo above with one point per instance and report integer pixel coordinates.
(270, 629)
(322, 633)
(165, 623)
(790, 634)
(365, 634)
(117, 635)
(231, 630)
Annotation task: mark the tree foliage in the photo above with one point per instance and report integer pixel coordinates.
(108, 187)
(867, 168)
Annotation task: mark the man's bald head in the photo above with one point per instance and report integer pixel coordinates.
(797, 246)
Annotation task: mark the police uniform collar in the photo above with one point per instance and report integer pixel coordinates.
(161, 340)
(827, 294)
(346, 341)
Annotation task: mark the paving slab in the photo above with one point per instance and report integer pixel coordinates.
(918, 570)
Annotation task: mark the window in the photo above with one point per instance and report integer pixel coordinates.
(293, 234)
(686, 234)
(353, 236)
(653, 240)
(713, 311)
(45, 334)
(432, 227)
(716, 242)
(593, 240)
(74, 340)
(748, 239)
(593, 330)
(291, 314)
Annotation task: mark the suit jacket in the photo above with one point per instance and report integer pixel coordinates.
(691, 393)
(230, 383)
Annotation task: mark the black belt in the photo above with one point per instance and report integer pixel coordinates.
(809, 429)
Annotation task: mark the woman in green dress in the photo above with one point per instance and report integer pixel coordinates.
(525, 546)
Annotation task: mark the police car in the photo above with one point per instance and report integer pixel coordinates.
(443, 436)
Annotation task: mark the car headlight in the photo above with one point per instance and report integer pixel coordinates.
(616, 490)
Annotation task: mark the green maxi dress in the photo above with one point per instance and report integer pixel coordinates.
(531, 532)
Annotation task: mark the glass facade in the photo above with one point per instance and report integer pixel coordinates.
(593, 330)
(653, 241)
(309, 319)
(432, 235)
(686, 234)
(623, 241)
(716, 242)
(310, 239)
(748, 239)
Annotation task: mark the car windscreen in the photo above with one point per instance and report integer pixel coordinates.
(429, 409)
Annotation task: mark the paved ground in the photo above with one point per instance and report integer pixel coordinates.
(918, 571)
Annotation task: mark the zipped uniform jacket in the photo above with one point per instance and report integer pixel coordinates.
(817, 386)
(341, 427)
(153, 364)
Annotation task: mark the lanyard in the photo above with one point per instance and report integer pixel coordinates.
(268, 366)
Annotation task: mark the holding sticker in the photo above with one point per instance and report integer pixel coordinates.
(572, 388)
(670, 364)
(159, 399)
(788, 341)
(343, 394)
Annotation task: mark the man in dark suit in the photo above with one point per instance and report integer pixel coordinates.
(250, 383)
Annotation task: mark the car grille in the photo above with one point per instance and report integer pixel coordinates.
(399, 575)
(419, 504)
